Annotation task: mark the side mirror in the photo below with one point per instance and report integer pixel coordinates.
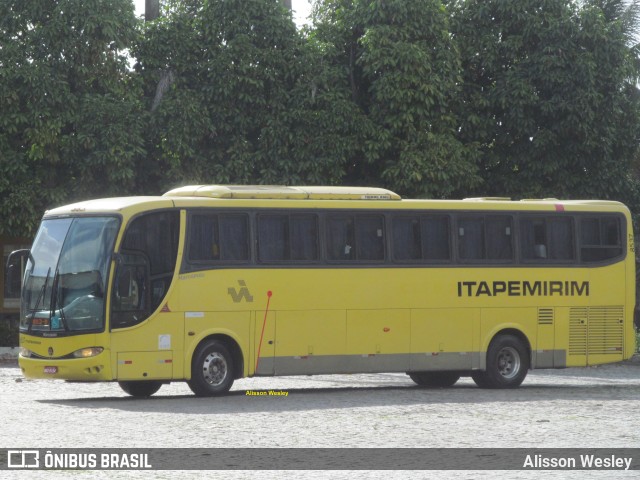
(16, 262)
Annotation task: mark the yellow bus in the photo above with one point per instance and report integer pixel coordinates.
(208, 284)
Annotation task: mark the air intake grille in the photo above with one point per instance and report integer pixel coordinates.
(545, 316)
(596, 330)
(578, 318)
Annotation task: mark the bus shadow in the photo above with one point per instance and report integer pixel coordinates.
(304, 399)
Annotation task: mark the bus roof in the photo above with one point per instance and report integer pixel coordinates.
(254, 196)
(278, 192)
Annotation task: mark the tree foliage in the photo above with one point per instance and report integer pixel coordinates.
(250, 101)
(68, 106)
(434, 98)
(403, 71)
(550, 94)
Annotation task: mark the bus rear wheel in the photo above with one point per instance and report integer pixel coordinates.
(507, 364)
(211, 369)
(434, 379)
(140, 389)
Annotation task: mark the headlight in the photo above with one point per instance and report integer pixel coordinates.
(25, 352)
(87, 352)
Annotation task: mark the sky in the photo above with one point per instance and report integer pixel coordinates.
(301, 10)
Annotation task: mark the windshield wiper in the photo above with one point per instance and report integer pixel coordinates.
(54, 301)
(42, 292)
(41, 295)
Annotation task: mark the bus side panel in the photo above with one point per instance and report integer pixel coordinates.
(378, 340)
(445, 339)
(312, 341)
(161, 333)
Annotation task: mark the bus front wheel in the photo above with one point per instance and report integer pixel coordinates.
(211, 369)
(140, 389)
(507, 364)
(434, 379)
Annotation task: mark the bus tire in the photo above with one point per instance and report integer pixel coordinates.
(507, 364)
(434, 379)
(211, 369)
(140, 389)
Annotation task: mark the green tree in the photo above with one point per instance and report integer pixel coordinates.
(550, 95)
(70, 126)
(249, 100)
(403, 72)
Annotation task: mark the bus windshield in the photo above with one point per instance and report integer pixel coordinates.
(64, 282)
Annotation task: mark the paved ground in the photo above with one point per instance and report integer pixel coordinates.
(580, 408)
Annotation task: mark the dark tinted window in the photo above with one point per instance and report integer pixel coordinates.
(219, 238)
(355, 237)
(547, 239)
(421, 238)
(287, 237)
(155, 235)
(600, 238)
(485, 238)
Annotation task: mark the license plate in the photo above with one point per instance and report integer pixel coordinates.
(51, 370)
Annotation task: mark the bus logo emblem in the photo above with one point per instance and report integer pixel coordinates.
(237, 296)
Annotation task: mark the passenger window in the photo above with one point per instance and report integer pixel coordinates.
(471, 239)
(547, 239)
(219, 238)
(304, 237)
(341, 238)
(407, 239)
(287, 237)
(369, 238)
(421, 238)
(485, 238)
(355, 238)
(273, 238)
(600, 239)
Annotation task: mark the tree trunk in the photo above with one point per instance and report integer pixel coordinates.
(151, 10)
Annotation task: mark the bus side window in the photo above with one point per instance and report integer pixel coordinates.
(273, 238)
(204, 239)
(303, 231)
(600, 239)
(340, 238)
(234, 237)
(218, 238)
(435, 238)
(560, 237)
(471, 238)
(533, 239)
(406, 238)
(370, 237)
(285, 238)
(485, 237)
(547, 239)
(424, 238)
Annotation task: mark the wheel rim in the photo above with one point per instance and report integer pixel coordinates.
(214, 368)
(508, 362)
